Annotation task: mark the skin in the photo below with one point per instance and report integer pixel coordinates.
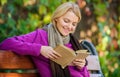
(65, 24)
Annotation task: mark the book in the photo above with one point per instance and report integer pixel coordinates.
(68, 55)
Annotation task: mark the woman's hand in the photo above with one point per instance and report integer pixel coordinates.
(48, 52)
(79, 63)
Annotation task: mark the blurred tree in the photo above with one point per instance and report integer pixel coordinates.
(100, 25)
(22, 16)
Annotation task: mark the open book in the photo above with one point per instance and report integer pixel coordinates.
(68, 55)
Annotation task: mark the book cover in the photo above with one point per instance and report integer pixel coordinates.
(68, 55)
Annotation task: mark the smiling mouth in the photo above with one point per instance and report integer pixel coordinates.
(66, 31)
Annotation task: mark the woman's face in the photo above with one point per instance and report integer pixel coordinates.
(67, 23)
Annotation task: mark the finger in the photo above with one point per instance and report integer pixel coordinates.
(53, 56)
(80, 60)
(79, 67)
(57, 54)
(78, 63)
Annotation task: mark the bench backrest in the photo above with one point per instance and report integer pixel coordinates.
(12, 65)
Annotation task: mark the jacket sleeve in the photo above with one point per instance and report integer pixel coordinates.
(24, 44)
(84, 71)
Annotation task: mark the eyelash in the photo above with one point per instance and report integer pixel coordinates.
(74, 24)
(68, 21)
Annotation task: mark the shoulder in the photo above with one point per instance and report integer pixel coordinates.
(36, 32)
(36, 35)
(41, 32)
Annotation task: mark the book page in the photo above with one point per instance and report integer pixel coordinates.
(67, 55)
(82, 54)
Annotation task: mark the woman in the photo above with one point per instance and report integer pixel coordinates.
(39, 44)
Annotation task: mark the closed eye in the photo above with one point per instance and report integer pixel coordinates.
(74, 24)
(66, 20)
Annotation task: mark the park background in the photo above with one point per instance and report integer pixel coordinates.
(100, 24)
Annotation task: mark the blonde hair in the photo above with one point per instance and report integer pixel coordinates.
(62, 9)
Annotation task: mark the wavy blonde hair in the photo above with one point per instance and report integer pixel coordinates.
(65, 7)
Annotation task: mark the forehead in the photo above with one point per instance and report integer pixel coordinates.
(70, 15)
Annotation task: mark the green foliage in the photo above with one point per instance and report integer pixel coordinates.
(109, 31)
(23, 16)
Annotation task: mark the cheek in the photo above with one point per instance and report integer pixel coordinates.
(73, 29)
(62, 24)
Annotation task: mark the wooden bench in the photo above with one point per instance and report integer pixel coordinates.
(12, 65)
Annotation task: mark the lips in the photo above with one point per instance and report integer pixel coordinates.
(66, 31)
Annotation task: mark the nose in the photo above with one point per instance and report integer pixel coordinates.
(70, 27)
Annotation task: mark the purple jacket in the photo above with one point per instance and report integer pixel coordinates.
(30, 44)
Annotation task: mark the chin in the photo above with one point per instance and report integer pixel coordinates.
(65, 34)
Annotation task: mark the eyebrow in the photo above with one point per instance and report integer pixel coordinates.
(70, 20)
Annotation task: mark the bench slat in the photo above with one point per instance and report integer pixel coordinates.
(9, 60)
(93, 62)
(17, 75)
(95, 75)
